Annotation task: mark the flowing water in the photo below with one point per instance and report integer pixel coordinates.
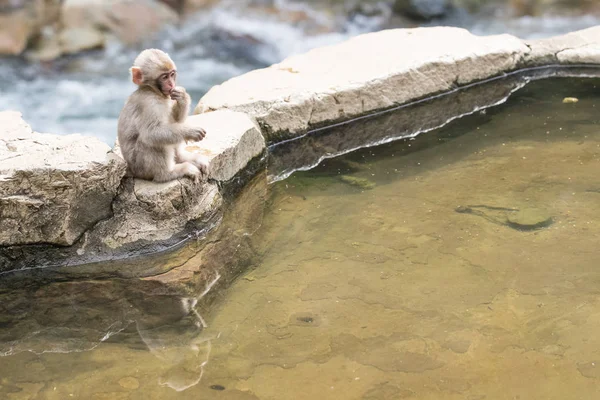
(462, 264)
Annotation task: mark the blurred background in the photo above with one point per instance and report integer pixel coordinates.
(64, 63)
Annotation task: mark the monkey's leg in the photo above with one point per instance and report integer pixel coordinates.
(179, 171)
(183, 155)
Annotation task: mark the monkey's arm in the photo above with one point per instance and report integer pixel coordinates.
(181, 109)
(171, 134)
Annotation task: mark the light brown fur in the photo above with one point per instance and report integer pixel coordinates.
(152, 130)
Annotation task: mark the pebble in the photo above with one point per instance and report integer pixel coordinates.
(129, 382)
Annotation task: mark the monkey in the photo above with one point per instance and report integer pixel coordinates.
(151, 127)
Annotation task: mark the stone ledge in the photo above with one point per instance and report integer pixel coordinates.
(232, 140)
(52, 187)
(367, 73)
(52, 184)
(380, 70)
(581, 47)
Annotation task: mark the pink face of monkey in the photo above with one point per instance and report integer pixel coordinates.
(156, 69)
(167, 82)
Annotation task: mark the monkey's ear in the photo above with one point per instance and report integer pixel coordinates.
(136, 75)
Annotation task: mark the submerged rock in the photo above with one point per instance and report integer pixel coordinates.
(529, 219)
(570, 100)
(129, 383)
(361, 183)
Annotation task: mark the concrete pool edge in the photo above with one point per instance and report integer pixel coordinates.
(237, 156)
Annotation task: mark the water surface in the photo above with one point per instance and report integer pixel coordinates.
(370, 281)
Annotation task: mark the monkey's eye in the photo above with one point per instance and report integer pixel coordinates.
(173, 74)
(164, 77)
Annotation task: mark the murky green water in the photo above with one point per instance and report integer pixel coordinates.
(388, 273)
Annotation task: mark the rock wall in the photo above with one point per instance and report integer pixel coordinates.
(64, 200)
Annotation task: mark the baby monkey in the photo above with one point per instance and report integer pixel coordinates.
(152, 131)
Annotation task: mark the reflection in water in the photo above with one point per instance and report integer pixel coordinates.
(397, 271)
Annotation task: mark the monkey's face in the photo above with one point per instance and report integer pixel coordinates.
(155, 68)
(167, 81)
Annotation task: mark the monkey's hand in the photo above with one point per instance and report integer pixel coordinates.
(195, 134)
(179, 94)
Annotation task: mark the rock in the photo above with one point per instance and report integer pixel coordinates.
(187, 6)
(45, 48)
(52, 187)
(387, 391)
(149, 212)
(580, 47)
(131, 21)
(570, 100)
(74, 40)
(15, 31)
(22, 20)
(194, 5)
(232, 141)
(305, 319)
(156, 211)
(144, 217)
(331, 84)
(422, 9)
(529, 219)
(361, 183)
(589, 369)
(129, 383)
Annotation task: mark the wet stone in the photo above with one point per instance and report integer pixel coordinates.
(110, 396)
(554, 350)
(387, 391)
(385, 353)
(305, 319)
(529, 219)
(129, 383)
(453, 385)
(570, 100)
(361, 183)
(280, 332)
(589, 369)
(458, 345)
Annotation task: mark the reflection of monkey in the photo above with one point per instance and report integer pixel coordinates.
(152, 133)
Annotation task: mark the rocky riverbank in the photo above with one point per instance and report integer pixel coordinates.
(50, 29)
(44, 30)
(68, 206)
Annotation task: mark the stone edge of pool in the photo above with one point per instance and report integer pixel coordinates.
(68, 195)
